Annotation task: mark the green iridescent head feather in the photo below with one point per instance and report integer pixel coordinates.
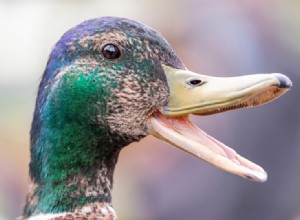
(84, 100)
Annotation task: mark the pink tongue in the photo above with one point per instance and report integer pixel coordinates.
(183, 126)
(182, 133)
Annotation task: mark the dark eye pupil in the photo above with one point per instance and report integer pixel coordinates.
(111, 51)
(195, 82)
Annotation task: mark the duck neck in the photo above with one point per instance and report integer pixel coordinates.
(72, 165)
(73, 146)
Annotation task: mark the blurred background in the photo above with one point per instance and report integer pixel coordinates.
(154, 181)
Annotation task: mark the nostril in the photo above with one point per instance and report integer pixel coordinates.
(284, 81)
(194, 82)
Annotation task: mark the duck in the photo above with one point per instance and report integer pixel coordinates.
(112, 81)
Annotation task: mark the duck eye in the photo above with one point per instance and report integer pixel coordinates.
(194, 82)
(111, 51)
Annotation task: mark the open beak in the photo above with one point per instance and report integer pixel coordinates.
(193, 93)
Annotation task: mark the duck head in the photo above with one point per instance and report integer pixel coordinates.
(112, 81)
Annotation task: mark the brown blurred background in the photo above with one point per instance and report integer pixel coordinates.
(154, 181)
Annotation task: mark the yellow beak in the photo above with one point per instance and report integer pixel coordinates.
(193, 93)
(199, 94)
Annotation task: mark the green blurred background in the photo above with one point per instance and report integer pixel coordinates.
(154, 181)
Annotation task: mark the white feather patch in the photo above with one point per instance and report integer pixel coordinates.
(46, 216)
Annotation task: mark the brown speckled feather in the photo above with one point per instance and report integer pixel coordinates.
(99, 211)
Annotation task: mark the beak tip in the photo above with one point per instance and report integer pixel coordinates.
(261, 176)
(284, 81)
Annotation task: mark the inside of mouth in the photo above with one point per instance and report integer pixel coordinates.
(182, 133)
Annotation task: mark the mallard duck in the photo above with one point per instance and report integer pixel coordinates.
(110, 82)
